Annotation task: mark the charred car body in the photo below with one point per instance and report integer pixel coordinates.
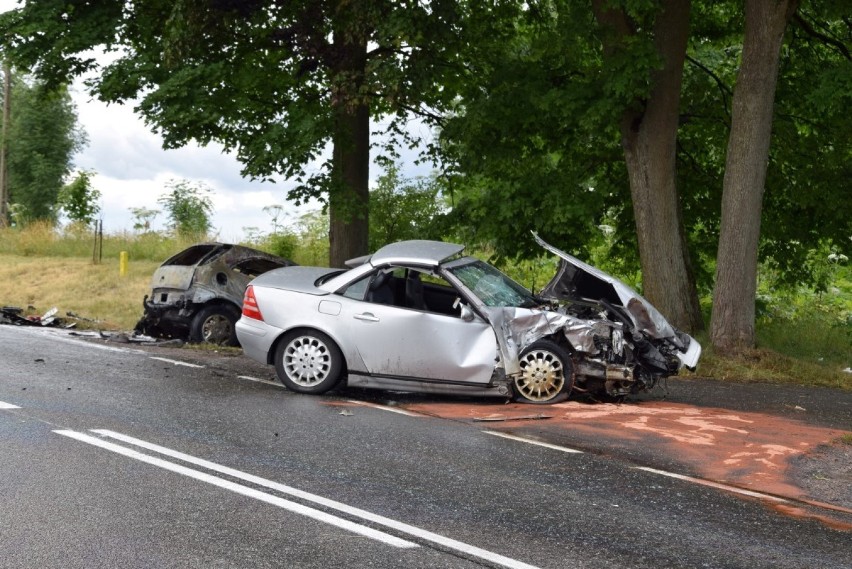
(416, 316)
(197, 294)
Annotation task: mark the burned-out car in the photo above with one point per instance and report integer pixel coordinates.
(197, 294)
(418, 316)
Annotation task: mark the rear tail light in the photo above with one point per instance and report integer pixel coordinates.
(250, 309)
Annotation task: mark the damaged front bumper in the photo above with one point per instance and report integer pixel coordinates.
(166, 320)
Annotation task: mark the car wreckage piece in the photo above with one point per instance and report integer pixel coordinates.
(197, 293)
(416, 316)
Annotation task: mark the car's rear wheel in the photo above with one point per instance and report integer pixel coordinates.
(308, 361)
(547, 373)
(215, 324)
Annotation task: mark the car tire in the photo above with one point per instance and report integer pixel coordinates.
(215, 324)
(547, 374)
(308, 361)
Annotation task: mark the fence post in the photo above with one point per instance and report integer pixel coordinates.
(122, 264)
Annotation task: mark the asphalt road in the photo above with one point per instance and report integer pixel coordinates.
(112, 458)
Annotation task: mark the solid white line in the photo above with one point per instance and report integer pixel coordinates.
(331, 504)
(712, 484)
(176, 362)
(243, 490)
(62, 336)
(4, 405)
(266, 381)
(533, 442)
(385, 408)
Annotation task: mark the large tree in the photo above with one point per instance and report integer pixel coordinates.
(581, 106)
(275, 81)
(43, 137)
(649, 127)
(556, 114)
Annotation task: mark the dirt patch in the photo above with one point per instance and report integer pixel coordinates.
(825, 472)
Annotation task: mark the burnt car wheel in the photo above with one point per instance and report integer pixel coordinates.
(214, 324)
(308, 361)
(547, 373)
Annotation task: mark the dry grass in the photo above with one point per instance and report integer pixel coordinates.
(75, 284)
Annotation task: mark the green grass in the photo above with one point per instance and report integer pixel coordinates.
(42, 240)
(765, 365)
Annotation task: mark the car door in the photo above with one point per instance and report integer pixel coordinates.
(394, 340)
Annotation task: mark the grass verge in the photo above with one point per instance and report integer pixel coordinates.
(73, 284)
(765, 365)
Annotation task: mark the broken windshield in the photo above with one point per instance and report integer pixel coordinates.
(492, 287)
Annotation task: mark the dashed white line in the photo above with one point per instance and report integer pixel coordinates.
(258, 380)
(243, 490)
(712, 484)
(683, 477)
(398, 526)
(533, 442)
(4, 405)
(175, 362)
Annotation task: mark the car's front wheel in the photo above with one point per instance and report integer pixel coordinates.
(214, 324)
(308, 361)
(547, 373)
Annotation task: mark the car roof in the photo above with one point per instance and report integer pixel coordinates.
(418, 251)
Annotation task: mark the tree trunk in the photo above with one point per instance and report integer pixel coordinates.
(349, 199)
(732, 323)
(649, 137)
(349, 195)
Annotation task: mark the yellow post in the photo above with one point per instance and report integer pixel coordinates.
(122, 264)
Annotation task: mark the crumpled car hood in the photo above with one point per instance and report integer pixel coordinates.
(576, 280)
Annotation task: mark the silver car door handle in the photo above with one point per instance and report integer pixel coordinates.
(367, 317)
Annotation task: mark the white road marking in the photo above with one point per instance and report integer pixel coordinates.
(712, 484)
(243, 490)
(4, 405)
(331, 504)
(258, 380)
(385, 408)
(62, 336)
(533, 442)
(683, 477)
(175, 362)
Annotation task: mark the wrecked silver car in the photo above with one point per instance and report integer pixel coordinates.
(417, 316)
(197, 294)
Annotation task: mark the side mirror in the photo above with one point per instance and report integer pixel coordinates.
(467, 313)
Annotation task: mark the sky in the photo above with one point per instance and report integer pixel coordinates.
(132, 168)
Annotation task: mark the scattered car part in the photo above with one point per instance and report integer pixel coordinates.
(196, 294)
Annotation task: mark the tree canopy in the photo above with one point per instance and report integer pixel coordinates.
(276, 82)
(536, 138)
(43, 137)
(189, 207)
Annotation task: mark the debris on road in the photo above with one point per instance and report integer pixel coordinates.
(19, 317)
(501, 418)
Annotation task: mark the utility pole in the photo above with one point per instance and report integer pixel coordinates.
(4, 145)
